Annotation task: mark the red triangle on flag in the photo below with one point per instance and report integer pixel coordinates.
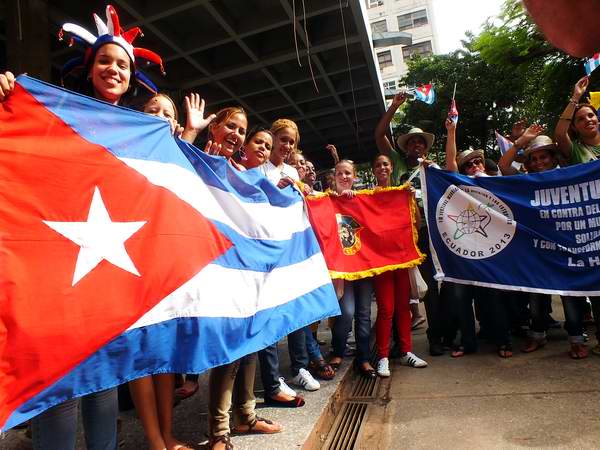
(49, 172)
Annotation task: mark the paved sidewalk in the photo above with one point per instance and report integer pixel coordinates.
(538, 400)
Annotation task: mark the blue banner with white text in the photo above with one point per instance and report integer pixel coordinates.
(536, 233)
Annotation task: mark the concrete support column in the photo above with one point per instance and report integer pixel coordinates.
(28, 38)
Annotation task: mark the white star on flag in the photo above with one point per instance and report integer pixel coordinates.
(99, 238)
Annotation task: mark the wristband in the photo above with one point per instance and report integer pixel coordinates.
(573, 102)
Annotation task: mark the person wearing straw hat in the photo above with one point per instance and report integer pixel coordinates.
(414, 145)
(540, 154)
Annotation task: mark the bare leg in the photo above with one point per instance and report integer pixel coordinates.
(145, 400)
(164, 386)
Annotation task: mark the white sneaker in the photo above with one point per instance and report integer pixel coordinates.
(305, 380)
(412, 360)
(383, 368)
(285, 388)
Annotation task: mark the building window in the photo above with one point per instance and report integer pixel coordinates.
(379, 27)
(374, 3)
(421, 49)
(412, 20)
(389, 85)
(385, 59)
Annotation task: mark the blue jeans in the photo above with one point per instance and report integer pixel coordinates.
(56, 428)
(268, 359)
(312, 346)
(574, 310)
(539, 305)
(355, 304)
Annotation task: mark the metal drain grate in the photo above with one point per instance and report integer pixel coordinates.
(346, 426)
(364, 389)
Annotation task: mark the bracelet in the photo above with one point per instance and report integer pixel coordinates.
(573, 102)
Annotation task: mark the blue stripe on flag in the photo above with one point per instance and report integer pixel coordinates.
(249, 186)
(152, 141)
(167, 348)
(265, 255)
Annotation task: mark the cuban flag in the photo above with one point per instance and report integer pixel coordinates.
(592, 63)
(453, 112)
(425, 93)
(503, 143)
(125, 252)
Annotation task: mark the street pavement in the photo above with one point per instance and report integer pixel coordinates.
(540, 400)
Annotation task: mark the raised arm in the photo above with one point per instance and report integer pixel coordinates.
(333, 152)
(195, 121)
(507, 159)
(381, 130)
(564, 121)
(451, 146)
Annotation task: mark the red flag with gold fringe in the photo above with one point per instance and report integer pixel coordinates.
(366, 235)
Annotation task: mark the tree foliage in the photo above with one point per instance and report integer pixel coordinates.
(506, 73)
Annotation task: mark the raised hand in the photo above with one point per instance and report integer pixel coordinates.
(333, 152)
(194, 107)
(450, 125)
(7, 85)
(518, 129)
(580, 88)
(530, 133)
(399, 98)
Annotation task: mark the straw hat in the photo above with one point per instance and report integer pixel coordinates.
(403, 138)
(540, 142)
(467, 155)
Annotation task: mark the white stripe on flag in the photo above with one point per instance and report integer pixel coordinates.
(246, 293)
(252, 220)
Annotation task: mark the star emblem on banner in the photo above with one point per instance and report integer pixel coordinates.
(99, 238)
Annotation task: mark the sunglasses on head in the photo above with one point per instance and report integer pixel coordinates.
(473, 163)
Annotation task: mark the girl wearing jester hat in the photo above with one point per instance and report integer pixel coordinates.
(107, 72)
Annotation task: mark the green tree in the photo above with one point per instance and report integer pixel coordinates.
(506, 73)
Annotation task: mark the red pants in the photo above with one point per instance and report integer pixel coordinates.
(392, 289)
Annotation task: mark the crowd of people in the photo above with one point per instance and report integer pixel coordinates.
(452, 309)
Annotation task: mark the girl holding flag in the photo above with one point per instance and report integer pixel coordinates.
(392, 289)
(106, 72)
(356, 300)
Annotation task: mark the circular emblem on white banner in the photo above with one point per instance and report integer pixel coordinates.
(473, 222)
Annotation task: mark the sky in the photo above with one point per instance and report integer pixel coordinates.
(454, 17)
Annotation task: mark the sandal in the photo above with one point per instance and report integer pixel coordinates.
(505, 351)
(252, 430)
(183, 392)
(225, 439)
(578, 351)
(531, 345)
(322, 370)
(596, 350)
(458, 352)
(335, 365)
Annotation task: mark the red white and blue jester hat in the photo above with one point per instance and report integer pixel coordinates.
(109, 33)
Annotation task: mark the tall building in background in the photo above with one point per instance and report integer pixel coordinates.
(410, 16)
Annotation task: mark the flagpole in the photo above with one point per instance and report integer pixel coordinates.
(454, 93)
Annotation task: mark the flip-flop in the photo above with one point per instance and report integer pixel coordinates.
(181, 393)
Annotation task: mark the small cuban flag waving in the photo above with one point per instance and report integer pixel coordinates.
(453, 112)
(424, 93)
(592, 63)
